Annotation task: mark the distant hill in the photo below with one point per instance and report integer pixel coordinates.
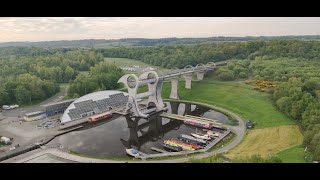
(103, 43)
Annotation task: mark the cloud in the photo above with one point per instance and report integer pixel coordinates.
(58, 28)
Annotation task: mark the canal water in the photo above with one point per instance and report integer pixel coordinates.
(112, 138)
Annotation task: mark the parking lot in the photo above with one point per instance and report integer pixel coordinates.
(48, 123)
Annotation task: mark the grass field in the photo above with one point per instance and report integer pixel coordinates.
(130, 62)
(292, 155)
(267, 141)
(237, 97)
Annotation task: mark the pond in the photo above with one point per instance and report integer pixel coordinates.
(112, 138)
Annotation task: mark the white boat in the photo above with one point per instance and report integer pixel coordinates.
(213, 134)
(205, 136)
(133, 152)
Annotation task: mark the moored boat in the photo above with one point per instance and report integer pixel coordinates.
(133, 152)
(200, 124)
(201, 136)
(172, 147)
(213, 134)
(192, 139)
(184, 146)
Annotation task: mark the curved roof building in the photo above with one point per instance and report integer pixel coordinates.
(94, 103)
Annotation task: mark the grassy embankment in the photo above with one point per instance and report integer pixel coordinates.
(273, 133)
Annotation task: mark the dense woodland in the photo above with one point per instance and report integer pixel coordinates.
(32, 74)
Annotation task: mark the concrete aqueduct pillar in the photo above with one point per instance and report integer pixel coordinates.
(174, 88)
(200, 75)
(202, 68)
(188, 79)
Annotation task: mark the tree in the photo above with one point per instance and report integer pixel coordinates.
(68, 74)
(22, 94)
(230, 65)
(238, 69)
(226, 75)
(312, 84)
(242, 75)
(4, 98)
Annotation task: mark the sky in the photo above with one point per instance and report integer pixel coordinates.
(75, 28)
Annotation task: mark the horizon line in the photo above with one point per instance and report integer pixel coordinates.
(158, 38)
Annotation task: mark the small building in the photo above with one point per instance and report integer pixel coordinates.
(35, 116)
(57, 107)
(249, 124)
(5, 140)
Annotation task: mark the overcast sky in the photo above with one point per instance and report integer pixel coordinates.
(74, 28)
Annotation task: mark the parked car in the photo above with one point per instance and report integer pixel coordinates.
(249, 124)
(6, 107)
(12, 106)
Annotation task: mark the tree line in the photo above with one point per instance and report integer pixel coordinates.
(25, 89)
(33, 74)
(299, 99)
(90, 43)
(179, 56)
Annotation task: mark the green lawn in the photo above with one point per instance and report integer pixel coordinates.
(130, 62)
(236, 96)
(292, 155)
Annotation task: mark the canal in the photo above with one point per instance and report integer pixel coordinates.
(112, 138)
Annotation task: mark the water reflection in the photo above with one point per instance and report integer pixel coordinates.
(111, 138)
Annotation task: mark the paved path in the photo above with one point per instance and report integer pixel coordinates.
(238, 130)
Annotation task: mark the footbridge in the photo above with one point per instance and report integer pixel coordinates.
(154, 82)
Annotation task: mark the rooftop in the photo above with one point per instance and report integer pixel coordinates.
(87, 99)
(59, 102)
(33, 113)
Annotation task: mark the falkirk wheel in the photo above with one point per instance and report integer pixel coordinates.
(154, 104)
